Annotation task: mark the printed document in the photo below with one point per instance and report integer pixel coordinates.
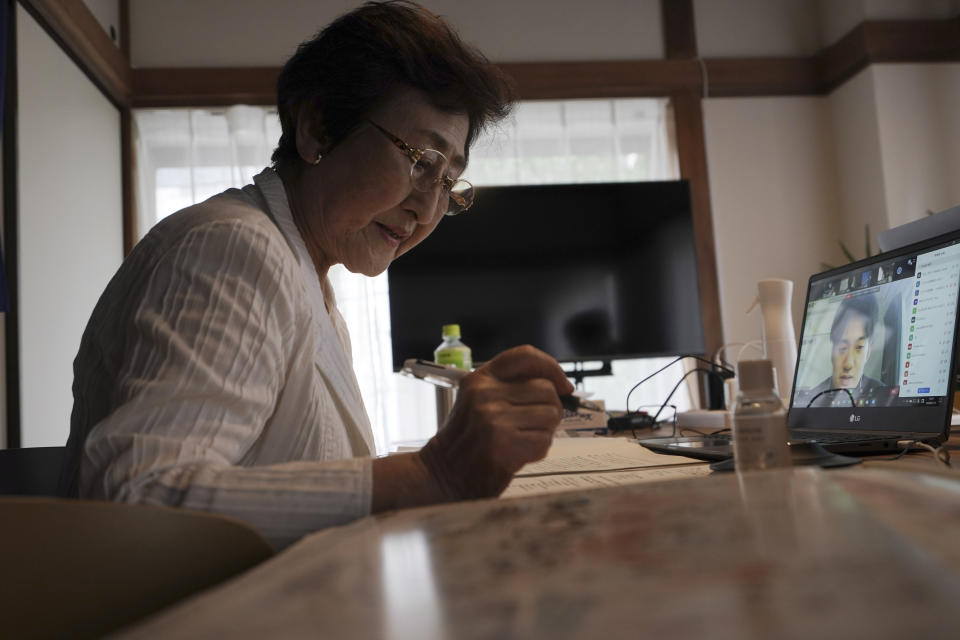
(584, 463)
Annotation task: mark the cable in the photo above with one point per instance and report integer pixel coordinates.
(673, 432)
(903, 452)
(721, 349)
(724, 368)
(674, 390)
(941, 454)
(633, 388)
(672, 418)
(814, 398)
(704, 77)
(755, 344)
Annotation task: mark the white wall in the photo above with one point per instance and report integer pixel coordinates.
(918, 117)
(210, 33)
(897, 143)
(70, 223)
(751, 28)
(856, 135)
(3, 335)
(775, 200)
(790, 177)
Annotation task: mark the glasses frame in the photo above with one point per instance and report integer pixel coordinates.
(446, 182)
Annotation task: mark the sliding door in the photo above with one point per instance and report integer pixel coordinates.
(69, 223)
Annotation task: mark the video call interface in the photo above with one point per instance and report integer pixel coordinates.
(881, 335)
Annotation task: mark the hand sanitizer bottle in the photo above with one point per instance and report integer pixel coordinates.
(759, 421)
(451, 350)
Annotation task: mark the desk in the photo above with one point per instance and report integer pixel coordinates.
(859, 552)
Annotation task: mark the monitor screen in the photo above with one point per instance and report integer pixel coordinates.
(584, 272)
(878, 337)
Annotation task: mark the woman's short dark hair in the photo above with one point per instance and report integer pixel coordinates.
(352, 63)
(864, 305)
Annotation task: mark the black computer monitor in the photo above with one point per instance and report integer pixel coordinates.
(583, 271)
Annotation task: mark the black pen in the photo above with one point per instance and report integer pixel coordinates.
(448, 376)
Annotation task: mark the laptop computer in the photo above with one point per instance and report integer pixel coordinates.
(877, 354)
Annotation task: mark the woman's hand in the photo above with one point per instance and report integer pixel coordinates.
(504, 417)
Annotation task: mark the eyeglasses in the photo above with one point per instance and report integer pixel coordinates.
(427, 171)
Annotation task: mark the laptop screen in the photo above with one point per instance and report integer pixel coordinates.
(878, 341)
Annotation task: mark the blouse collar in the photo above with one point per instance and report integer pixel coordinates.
(331, 353)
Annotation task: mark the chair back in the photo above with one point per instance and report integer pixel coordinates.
(32, 471)
(81, 569)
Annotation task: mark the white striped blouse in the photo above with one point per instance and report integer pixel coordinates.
(212, 377)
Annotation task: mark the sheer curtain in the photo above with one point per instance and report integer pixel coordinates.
(187, 155)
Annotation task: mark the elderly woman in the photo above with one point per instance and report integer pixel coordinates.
(215, 372)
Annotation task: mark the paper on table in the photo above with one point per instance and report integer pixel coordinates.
(535, 485)
(583, 455)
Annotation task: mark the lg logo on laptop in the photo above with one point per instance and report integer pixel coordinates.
(854, 417)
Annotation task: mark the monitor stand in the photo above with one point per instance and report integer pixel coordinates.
(578, 373)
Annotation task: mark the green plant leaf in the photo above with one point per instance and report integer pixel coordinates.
(846, 251)
(849, 254)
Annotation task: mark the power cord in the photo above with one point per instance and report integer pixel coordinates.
(725, 372)
(674, 390)
(752, 344)
(906, 449)
(941, 454)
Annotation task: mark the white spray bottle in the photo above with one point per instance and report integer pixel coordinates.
(779, 340)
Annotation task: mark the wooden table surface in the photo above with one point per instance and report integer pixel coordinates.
(867, 551)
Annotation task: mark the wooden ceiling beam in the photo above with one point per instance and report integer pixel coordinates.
(72, 24)
(887, 41)
(870, 42)
(204, 87)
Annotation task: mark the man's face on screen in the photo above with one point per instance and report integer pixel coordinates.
(850, 352)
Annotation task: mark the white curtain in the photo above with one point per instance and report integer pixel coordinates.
(187, 155)
(184, 156)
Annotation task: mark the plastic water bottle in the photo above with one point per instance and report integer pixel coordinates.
(759, 421)
(452, 351)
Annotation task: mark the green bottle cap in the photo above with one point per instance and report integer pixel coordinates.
(451, 331)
